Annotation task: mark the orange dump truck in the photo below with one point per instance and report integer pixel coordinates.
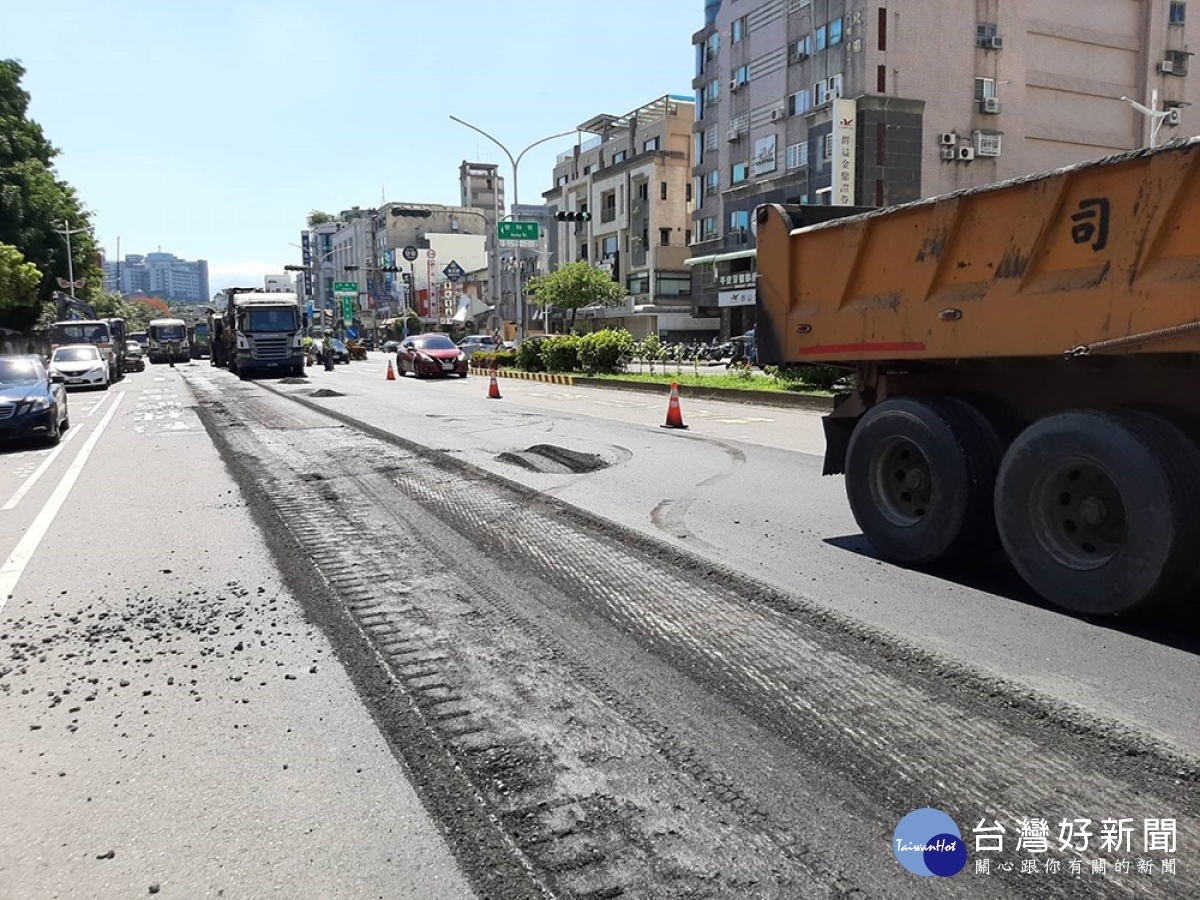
(1027, 372)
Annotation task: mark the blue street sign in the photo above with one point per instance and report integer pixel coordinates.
(352, 333)
(454, 271)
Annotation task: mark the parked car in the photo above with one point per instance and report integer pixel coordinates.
(143, 339)
(135, 358)
(80, 365)
(33, 402)
(473, 342)
(341, 354)
(431, 354)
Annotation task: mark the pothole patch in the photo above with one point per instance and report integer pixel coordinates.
(326, 392)
(293, 380)
(552, 460)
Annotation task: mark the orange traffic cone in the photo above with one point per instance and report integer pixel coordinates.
(674, 413)
(494, 388)
(391, 375)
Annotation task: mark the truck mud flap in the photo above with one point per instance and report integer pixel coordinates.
(837, 441)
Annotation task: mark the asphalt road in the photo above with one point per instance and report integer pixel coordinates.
(662, 666)
(742, 487)
(172, 723)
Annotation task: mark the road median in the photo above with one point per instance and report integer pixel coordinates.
(788, 399)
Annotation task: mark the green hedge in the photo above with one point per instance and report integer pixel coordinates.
(598, 352)
(499, 359)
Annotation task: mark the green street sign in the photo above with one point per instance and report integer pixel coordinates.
(348, 309)
(518, 231)
(345, 287)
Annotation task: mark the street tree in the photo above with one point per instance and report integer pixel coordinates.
(34, 201)
(574, 286)
(19, 279)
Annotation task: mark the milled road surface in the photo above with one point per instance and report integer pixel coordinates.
(171, 722)
(648, 722)
(742, 487)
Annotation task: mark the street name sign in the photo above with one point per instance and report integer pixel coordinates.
(513, 235)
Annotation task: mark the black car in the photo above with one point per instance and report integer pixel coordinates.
(32, 405)
(340, 353)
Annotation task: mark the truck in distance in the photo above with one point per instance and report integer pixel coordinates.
(258, 332)
(168, 341)
(1025, 359)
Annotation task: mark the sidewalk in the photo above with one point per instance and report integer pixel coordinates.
(173, 725)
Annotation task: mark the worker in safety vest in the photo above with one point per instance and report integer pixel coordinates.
(327, 351)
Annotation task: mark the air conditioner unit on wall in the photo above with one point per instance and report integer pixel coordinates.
(1174, 116)
(947, 139)
(991, 106)
(778, 113)
(994, 43)
(1167, 66)
(949, 153)
(966, 154)
(733, 135)
(987, 143)
(734, 85)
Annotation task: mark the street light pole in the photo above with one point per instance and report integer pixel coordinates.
(66, 231)
(1156, 116)
(515, 162)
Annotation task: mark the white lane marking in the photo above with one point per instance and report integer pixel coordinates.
(14, 566)
(40, 470)
(95, 409)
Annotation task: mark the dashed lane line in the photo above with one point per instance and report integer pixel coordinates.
(14, 566)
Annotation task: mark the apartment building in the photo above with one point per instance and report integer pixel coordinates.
(634, 178)
(160, 274)
(878, 102)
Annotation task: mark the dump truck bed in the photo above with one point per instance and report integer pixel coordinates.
(1103, 256)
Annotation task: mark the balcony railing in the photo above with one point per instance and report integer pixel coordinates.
(608, 214)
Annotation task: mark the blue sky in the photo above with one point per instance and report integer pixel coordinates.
(211, 128)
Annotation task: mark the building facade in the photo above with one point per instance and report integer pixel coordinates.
(634, 178)
(365, 247)
(874, 102)
(481, 187)
(158, 274)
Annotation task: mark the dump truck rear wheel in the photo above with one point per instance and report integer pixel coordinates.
(1096, 510)
(920, 476)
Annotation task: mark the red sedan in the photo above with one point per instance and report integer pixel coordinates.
(431, 354)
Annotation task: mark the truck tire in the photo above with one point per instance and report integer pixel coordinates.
(1097, 510)
(920, 475)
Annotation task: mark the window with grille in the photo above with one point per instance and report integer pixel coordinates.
(710, 138)
(828, 154)
(740, 124)
(797, 5)
(797, 155)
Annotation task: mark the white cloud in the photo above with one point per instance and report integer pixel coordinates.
(239, 274)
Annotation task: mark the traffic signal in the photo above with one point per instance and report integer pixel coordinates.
(573, 216)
